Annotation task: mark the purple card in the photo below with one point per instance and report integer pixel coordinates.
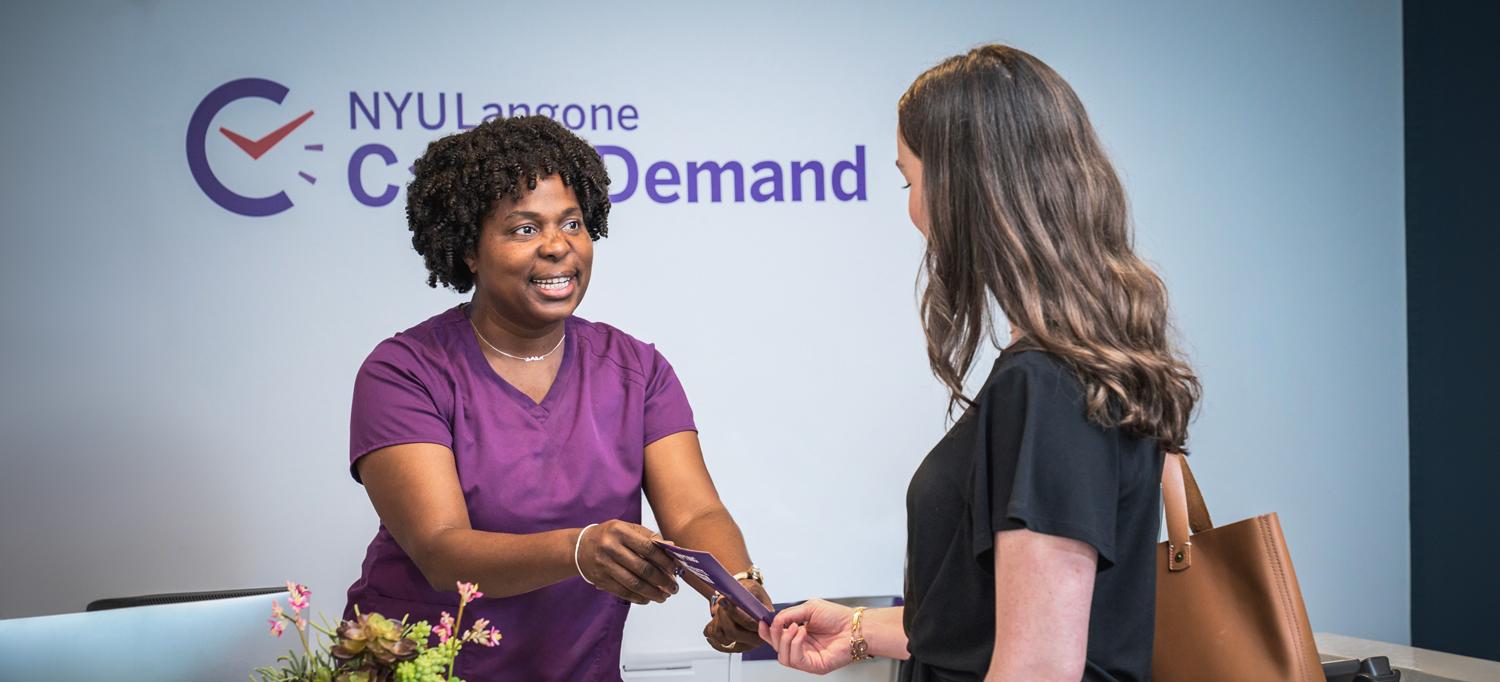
(709, 570)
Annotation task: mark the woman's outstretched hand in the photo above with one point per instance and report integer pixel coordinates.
(619, 557)
(812, 637)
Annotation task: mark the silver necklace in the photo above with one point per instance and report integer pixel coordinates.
(522, 358)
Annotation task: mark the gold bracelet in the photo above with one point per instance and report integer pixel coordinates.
(859, 649)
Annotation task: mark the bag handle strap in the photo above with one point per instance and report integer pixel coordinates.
(1186, 511)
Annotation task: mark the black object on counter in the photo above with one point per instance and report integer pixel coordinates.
(1377, 669)
(1373, 669)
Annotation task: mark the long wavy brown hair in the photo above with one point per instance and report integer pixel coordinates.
(1025, 210)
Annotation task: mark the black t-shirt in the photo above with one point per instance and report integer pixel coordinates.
(1025, 455)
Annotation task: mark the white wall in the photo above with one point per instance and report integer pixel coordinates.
(177, 378)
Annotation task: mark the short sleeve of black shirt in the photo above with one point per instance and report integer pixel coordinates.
(1025, 455)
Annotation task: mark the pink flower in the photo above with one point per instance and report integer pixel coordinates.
(490, 638)
(277, 626)
(276, 612)
(444, 628)
(468, 592)
(476, 632)
(301, 623)
(300, 595)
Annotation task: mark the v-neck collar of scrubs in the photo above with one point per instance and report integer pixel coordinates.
(560, 383)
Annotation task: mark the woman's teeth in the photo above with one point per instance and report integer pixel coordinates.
(553, 283)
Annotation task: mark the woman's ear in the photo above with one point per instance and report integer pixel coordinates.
(471, 253)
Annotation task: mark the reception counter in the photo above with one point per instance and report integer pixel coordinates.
(223, 639)
(1416, 665)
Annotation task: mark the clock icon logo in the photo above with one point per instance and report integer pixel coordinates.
(197, 140)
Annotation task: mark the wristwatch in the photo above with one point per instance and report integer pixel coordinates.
(752, 573)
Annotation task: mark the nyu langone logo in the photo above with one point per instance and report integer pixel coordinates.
(197, 145)
(662, 182)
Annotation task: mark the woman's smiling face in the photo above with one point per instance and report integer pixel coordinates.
(534, 255)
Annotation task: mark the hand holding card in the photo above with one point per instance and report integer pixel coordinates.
(709, 570)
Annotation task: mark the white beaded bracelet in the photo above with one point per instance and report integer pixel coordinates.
(576, 545)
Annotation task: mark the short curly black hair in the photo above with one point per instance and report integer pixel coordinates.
(460, 177)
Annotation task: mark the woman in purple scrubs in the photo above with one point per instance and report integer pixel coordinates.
(506, 441)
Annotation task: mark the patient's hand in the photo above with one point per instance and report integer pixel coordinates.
(812, 637)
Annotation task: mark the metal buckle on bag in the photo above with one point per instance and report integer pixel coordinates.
(1179, 558)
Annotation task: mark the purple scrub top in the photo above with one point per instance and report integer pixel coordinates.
(574, 459)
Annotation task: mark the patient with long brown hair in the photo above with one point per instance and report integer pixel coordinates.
(1032, 524)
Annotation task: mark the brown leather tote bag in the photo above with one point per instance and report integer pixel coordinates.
(1227, 602)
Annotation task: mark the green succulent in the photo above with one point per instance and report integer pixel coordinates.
(369, 647)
